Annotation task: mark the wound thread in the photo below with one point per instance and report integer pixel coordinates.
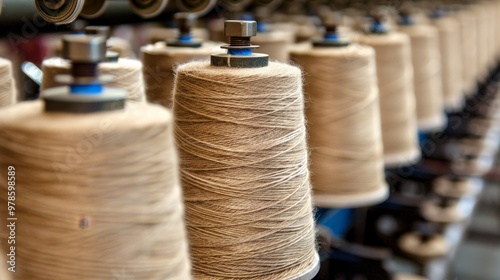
(100, 193)
(397, 98)
(8, 92)
(343, 116)
(427, 82)
(244, 171)
(159, 63)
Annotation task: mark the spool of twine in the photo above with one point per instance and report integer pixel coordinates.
(159, 63)
(274, 43)
(412, 244)
(397, 99)
(7, 84)
(343, 117)
(426, 75)
(98, 194)
(244, 171)
(451, 62)
(127, 75)
(468, 22)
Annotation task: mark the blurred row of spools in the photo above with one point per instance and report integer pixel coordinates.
(397, 111)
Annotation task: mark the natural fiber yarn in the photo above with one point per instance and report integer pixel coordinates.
(127, 75)
(426, 75)
(98, 194)
(274, 43)
(159, 63)
(7, 84)
(412, 244)
(244, 171)
(468, 31)
(451, 62)
(343, 117)
(397, 98)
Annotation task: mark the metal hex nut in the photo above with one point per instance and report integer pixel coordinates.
(84, 48)
(240, 28)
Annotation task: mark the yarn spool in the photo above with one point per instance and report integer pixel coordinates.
(86, 209)
(275, 43)
(7, 84)
(426, 75)
(451, 62)
(468, 31)
(100, 191)
(127, 75)
(433, 211)
(244, 170)
(413, 244)
(343, 124)
(397, 99)
(159, 63)
(457, 187)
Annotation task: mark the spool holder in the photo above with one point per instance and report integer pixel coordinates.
(86, 93)
(185, 22)
(239, 51)
(378, 17)
(331, 38)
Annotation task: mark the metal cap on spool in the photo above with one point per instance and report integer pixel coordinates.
(89, 49)
(105, 32)
(185, 21)
(331, 22)
(85, 94)
(239, 51)
(378, 15)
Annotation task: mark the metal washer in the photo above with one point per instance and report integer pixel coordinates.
(254, 60)
(59, 99)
